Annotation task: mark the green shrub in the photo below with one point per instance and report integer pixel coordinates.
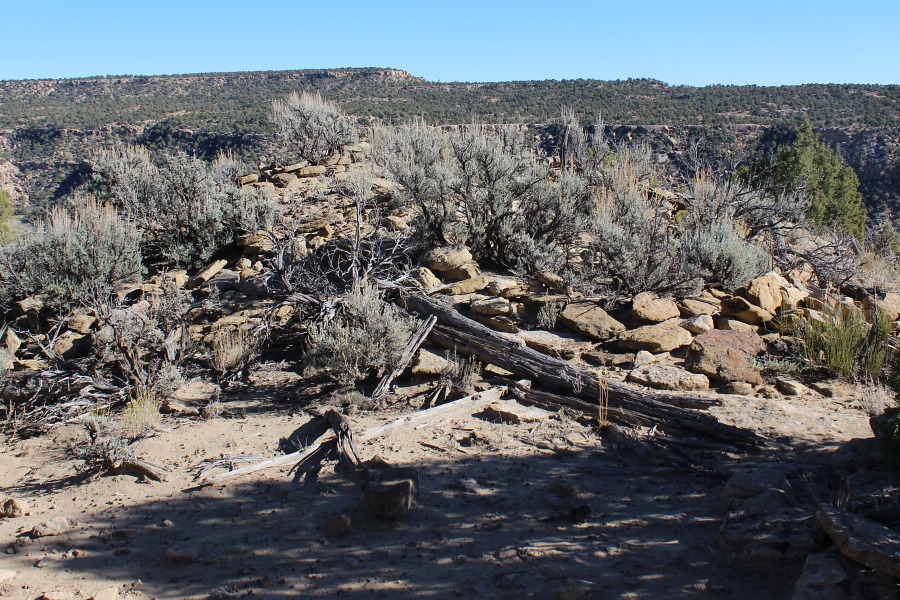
(71, 255)
(366, 337)
(843, 343)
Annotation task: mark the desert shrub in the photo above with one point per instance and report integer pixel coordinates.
(366, 337)
(106, 447)
(874, 396)
(72, 254)
(233, 349)
(6, 215)
(461, 373)
(843, 343)
(186, 208)
(890, 438)
(312, 127)
(480, 186)
(141, 413)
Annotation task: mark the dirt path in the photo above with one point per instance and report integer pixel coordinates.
(546, 510)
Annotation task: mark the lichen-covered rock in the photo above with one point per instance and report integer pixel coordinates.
(721, 363)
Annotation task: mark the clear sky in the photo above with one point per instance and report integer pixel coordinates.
(760, 42)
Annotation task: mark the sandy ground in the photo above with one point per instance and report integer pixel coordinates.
(531, 510)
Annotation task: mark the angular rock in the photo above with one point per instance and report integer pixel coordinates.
(429, 363)
(746, 483)
(425, 278)
(551, 280)
(668, 378)
(862, 540)
(498, 323)
(873, 494)
(447, 259)
(750, 343)
(467, 286)
(650, 308)
(248, 179)
(206, 274)
(284, 180)
(555, 344)
(732, 324)
(742, 310)
(790, 387)
(589, 320)
(721, 363)
(255, 243)
(663, 337)
(10, 342)
(785, 534)
(80, 323)
(311, 171)
(765, 291)
(823, 578)
(693, 307)
(497, 286)
(737, 388)
(699, 324)
(466, 271)
(491, 306)
(394, 223)
(642, 357)
(511, 411)
(71, 345)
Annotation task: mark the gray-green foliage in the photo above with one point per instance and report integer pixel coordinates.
(6, 215)
(312, 127)
(366, 337)
(186, 208)
(481, 186)
(71, 255)
(638, 244)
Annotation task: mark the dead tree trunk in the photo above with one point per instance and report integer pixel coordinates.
(666, 411)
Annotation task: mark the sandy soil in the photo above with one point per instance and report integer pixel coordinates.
(531, 510)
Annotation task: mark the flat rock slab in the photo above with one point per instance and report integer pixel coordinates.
(862, 540)
(751, 343)
(663, 337)
(591, 321)
(664, 377)
(786, 534)
(650, 308)
(511, 411)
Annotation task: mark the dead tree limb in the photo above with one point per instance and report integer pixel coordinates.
(667, 411)
(408, 354)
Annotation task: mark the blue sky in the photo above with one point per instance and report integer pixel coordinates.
(697, 43)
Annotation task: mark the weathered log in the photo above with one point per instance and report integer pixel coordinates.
(468, 337)
(408, 354)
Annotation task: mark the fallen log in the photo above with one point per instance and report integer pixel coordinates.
(667, 411)
(408, 354)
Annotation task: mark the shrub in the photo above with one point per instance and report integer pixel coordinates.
(6, 215)
(186, 208)
(71, 255)
(843, 343)
(312, 127)
(460, 374)
(366, 337)
(233, 349)
(141, 412)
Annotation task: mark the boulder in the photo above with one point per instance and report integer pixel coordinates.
(642, 357)
(425, 279)
(589, 320)
(862, 540)
(311, 171)
(284, 180)
(429, 363)
(467, 286)
(747, 482)
(823, 578)
(390, 499)
(466, 271)
(14, 507)
(72, 345)
(889, 306)
(742, 310)
(650, 308)
(555, 344)
(491, 306)
(80, 323)
(551, 280)
(765, 291)
(721, 363)
(394, 223)
(10, 342)
(750, 343)
(732, 324)
(255, 243)
(662, 337)
(668, 378)
(248, 179)
(699, 324)
(873, 494)
(497, 286)
(790, 387)
(775, 536)
(692, 307)
(447, 258)
(736, 388)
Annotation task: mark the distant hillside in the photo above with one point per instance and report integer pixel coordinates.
(45, 124)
